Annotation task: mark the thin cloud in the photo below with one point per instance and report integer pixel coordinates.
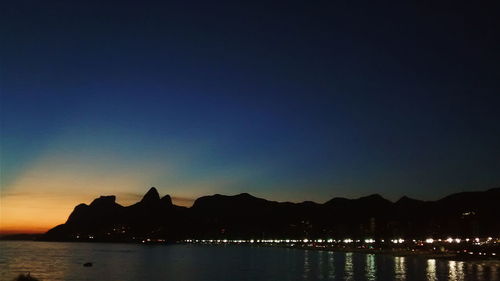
(183, 201)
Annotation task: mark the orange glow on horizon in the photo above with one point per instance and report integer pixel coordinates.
(22, 214)
(33, 213)
(45, 193)
(23, 230)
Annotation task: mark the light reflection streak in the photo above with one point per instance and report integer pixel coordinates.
(307, 265)
(399, 268)
(370, 267)
(348, 267)
(480, 272)
(493, 273)
(456, 271)
(331, 265)
(320, 264)
(431, 270)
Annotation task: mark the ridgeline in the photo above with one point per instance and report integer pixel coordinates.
(244, 216)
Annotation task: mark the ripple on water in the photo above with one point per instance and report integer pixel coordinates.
(63, 261)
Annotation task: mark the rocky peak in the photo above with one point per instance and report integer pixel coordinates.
(151, 196)
(103, 201)
(166, 200)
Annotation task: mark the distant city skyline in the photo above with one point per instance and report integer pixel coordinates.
(290, 103)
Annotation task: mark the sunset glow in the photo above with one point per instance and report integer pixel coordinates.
(294, 104)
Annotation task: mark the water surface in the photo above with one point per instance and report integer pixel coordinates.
(63, 261)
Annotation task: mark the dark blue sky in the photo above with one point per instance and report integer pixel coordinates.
(289, 101)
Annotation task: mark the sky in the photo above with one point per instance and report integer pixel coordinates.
(289, 101)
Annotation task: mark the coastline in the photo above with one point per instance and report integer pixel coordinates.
(396, 252)
(409, 253)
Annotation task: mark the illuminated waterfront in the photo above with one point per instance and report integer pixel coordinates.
(482, 248)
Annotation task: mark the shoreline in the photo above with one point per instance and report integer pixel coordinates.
(396, 252)
(405, 253)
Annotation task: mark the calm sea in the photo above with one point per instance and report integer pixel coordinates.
(63, 261)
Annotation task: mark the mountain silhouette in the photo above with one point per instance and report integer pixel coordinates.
(151, 196)
(244, 216)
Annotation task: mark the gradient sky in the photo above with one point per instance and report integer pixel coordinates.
(287, 101)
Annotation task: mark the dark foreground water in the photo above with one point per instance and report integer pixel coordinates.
(63, 261)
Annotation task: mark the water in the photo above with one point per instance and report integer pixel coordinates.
(63, 261)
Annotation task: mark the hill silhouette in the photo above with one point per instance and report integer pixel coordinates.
(244, 216)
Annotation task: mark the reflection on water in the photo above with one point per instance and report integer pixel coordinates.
(127, 262)
(321, 262)
(479, 271)
(495, 274)
(370, 267)
(431, 270)
(348, 267)
(399, 268)
(307, 266)
(331, 266)
(456, 270)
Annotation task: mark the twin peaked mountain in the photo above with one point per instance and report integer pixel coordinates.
(244, 216)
